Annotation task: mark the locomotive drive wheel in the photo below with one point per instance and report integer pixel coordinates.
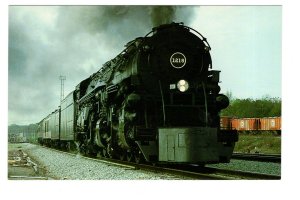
(68, 147)
(100, 153)
(123, 155)
(104, 153)
(130, 157)
(91, 153)
(110, 151)
(139, 157)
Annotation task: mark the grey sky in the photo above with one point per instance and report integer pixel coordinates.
(46, 42)
(246, 47)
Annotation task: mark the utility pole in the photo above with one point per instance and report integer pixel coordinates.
(62, 79)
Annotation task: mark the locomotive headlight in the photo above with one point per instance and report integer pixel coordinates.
(182, 85)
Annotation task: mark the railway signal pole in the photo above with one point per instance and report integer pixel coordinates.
(62, 79)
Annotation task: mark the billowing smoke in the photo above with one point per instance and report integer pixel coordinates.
(128, 20)
(162, 14)
(74, 41)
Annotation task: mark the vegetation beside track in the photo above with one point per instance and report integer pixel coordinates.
(265, 143)
(243, 108)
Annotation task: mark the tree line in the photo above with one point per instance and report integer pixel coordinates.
(242, 108)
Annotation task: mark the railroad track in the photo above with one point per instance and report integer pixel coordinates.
(258, 157)
(237, 175)
(191, 171)
(209, 173)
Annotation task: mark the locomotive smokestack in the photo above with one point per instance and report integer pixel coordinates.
(162, 15)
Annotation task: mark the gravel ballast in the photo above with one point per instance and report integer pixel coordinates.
(251, 166)
(67, 167)
(63, 166)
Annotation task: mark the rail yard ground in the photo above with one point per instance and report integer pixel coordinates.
(21, 166)
(266, 143)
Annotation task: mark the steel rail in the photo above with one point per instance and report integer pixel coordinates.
(276, 158)
(28, 178)
(102, 160)
(236, 174)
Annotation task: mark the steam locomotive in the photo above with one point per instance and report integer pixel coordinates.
(157, 101)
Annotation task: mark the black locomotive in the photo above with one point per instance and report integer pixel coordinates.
(158, 101)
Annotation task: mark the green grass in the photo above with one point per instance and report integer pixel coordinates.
(262, 143)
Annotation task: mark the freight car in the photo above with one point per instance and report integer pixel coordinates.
(158, 101)
(253, 125)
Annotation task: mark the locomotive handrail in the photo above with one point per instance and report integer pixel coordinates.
(163, 102)
(182, 24)
(90, 94)
(205, 102)
(203, 38)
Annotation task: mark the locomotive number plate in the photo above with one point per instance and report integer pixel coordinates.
(178, 60)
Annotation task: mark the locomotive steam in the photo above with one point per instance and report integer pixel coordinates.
(158, 101)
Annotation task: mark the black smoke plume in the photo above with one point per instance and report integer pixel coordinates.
(162, 14)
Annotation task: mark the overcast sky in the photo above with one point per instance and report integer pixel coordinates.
(48, 41)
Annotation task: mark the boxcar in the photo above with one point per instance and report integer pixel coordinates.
(271, 124)
(246, 124)
(225, 123)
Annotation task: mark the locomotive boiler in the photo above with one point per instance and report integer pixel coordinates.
(158, 101)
